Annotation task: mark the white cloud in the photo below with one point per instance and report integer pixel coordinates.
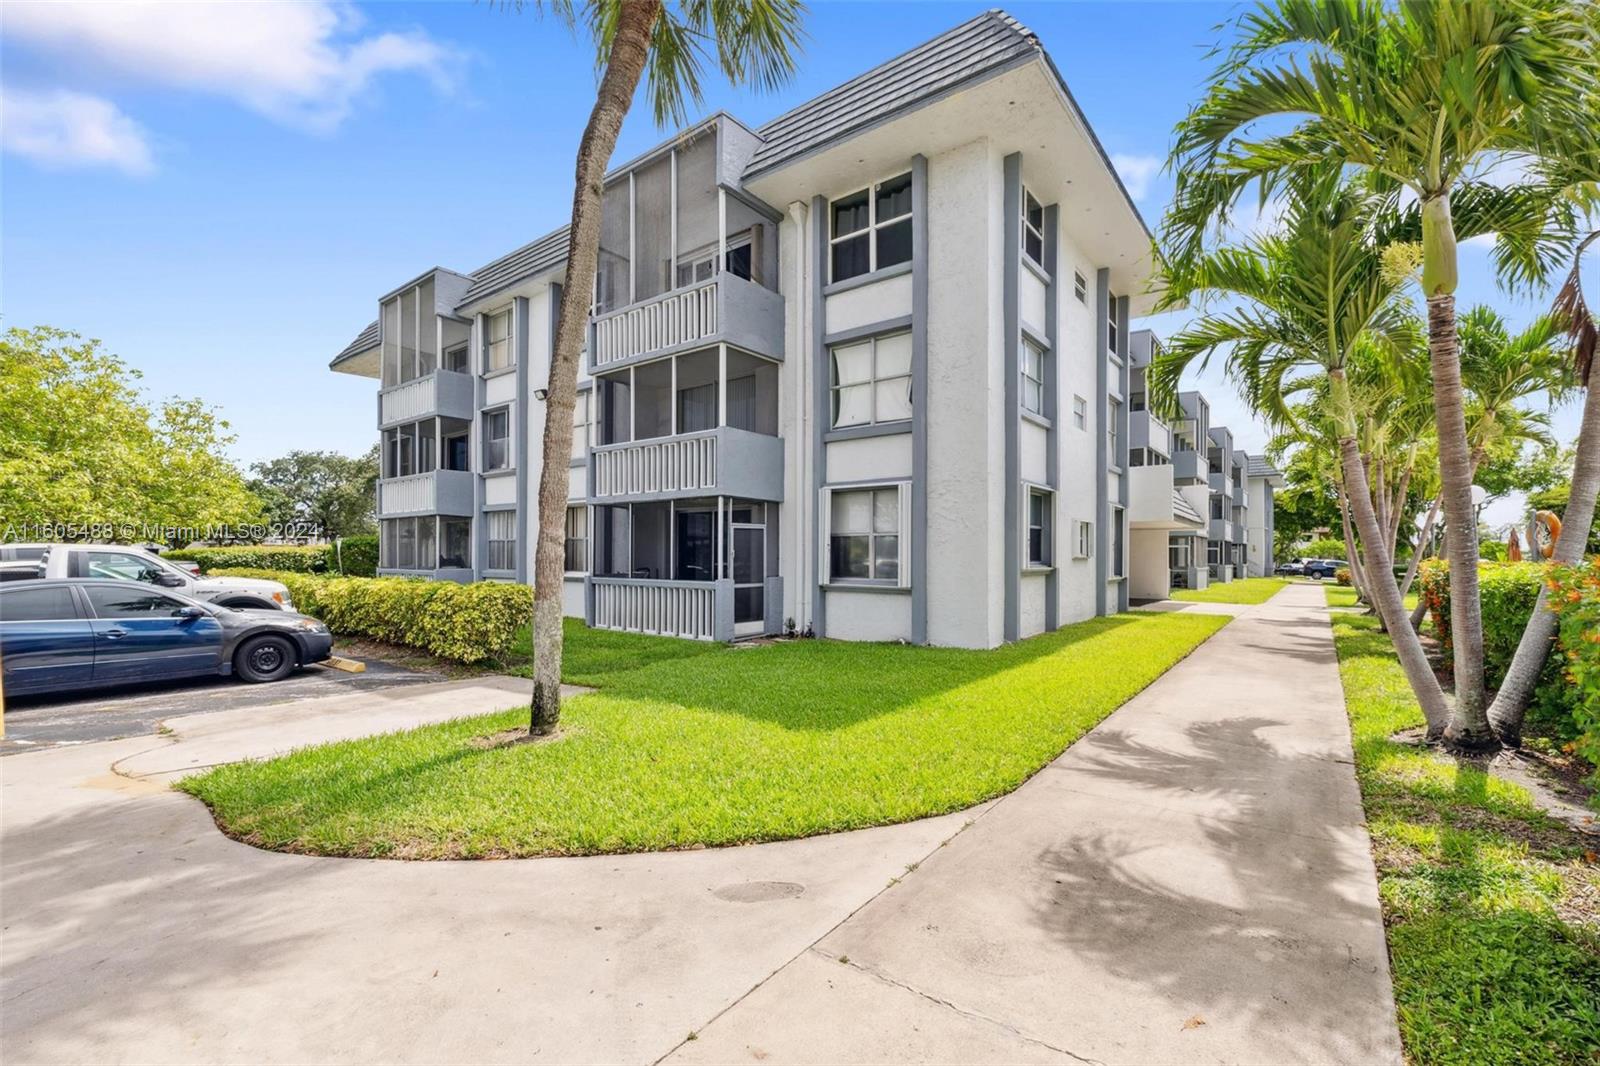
(65, 130)
(1136, 172)
(302, 64)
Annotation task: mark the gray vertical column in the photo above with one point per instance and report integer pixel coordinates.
(820, 415)
(1011, 410)
(524, 408)
(1102, 478)
(1052, 411)
(1123, 414)
(919, 399)
(480, 395)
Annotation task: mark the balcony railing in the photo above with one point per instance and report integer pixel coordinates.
(1147, 431)
(1241, 497)
(1188, 467)
(443, 392)
(436, 492)
(694, 610)
(725, 461)
(725, 309)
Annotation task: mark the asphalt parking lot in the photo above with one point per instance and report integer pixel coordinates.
(41, 722)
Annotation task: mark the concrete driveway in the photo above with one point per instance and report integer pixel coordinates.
(1189, 882)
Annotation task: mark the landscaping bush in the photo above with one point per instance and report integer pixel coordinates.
(295, 558)
(1575, 598)
(467, 623)
(1341, 576)
(359, 556)
(1323, 548)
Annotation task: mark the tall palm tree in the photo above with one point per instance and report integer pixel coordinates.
(1310, 298)
(755, 42)
(1428, 94)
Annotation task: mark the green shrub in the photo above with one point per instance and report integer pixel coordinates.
(1575, 598)
(467, 623)
(295, 558)
(359, 556)
(1323, 548)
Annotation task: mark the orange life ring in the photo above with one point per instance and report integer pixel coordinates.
(1547, 530)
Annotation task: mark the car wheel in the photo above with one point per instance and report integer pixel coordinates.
(264, 659)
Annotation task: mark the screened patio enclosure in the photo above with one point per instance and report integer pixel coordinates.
(703, 568)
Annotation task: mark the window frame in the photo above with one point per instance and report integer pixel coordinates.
(583, 539)
(1083, 540)
(1080, 287)
(1112, 326)
(900, 533)
(1029, 203)
(488, 441)
(1080, 412)
(871, 382)
(489, 343)
(1113, 431)
(1044, 558)
(491, 553)
(872, 229)
(1030, 347)
(1117, 565)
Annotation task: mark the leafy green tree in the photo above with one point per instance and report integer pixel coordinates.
(1428, 96)
(755, 42)
(335, 493)
(84, 455)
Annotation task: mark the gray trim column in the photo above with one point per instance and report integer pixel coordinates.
(819, 395)
(524, 407)
(1011, 409)
(1123, 415)
(1102, 478)
(480, 532)
(919, 399)
(1052, 411)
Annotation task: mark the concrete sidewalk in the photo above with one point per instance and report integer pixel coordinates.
(1190, 882)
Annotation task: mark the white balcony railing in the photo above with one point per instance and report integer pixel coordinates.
(436, 492)
(688, 609)
(671, 319)
(443, 392)
(686, 463)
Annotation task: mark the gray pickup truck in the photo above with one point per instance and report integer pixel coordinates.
(122, 563)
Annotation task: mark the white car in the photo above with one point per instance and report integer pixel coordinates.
(122, 563)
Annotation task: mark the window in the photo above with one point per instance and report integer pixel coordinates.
(38, 605)
(1216, 507)
(1032, 377)
(456, 359)
(497, 439)
(1083, 544)
(1136, 401)
(1032, 228)
(697, 266)
(455, 543)
(1111, 324)
(1114, 429)
(872, 381)
(1080, 288)
(1180, 553)
(864, 540)
(132, 602)
(497, 342)
(502, 530)
(871, 229)
(577, 557)
(580, 425)
(121, 566)
(1116, 542)
(1080, 412)
(1136, 457)
(1039, 545)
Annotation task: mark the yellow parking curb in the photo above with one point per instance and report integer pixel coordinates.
(349, 666)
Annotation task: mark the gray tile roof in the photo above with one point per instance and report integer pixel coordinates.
(972, 50)
(1182, 509)
(1259, 467)
(366, 339)
(533, 258)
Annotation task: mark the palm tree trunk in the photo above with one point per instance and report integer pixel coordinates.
(1422, 542)
(1356, 576)
(1511, 702)
(1469, 725)
(630, 50)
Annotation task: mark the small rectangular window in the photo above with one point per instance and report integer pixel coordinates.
(1111, 324)
(1083, 543)
(1032, 377)
(871, 381)
(864, 536)
(580, 425)
(1116, 542)
(497, 439)
(502, 540)
(1114, 430)
(577, 553)
(455, 359)
(871, 229)
(1080, 288)
(497, 341)
(1039, 541)
(1032, 228)
(1080, 412)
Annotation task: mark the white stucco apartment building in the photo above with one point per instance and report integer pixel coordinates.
(863, 370)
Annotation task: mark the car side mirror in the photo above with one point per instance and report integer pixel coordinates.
(190, 613)
(169, 580)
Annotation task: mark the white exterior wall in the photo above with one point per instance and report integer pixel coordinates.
(966, 445)
(870, 615)
(1031, 614)
(1148, 575)
(1257, 489)
(1076, 493)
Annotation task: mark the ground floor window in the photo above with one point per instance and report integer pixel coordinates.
(455, 543)
(1213, 552)
(1116, 542)
(577, 556)
(1040, 550)
(1180, 553)
(864, 535)
(408, 543)
(502, 538)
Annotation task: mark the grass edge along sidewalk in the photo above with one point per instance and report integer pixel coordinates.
(730, 746)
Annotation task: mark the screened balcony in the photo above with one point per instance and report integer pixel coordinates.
(684, 261)
(425, 468)
(424, 357)
(692, 424)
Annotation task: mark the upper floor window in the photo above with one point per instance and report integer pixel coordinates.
(497, 341)
(577, 548)
(580, 425)
(497, 439)
(1080, 288)
(455, 358)
(1111, 324)
(871, 229)
(1032, 228)
(1032, 377)
(871, 381)
(1114, 429)
(1080, 412)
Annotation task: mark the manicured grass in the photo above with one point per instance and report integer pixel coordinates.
(590, 656)
(1345, 596)
(1244, 590)
(1489, 905)
(723, 747)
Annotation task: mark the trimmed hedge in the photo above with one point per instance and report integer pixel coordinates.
(359, 555)
(1575, 598)
(467, 623)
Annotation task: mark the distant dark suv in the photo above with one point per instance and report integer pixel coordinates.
(1324, 568)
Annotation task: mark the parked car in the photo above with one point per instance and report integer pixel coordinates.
(1324, 568)
(122, 563)
(1291, 568)
(58, 635)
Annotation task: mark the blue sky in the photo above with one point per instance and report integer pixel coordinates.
(221, 193)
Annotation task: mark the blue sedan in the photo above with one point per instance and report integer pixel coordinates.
(61, 635)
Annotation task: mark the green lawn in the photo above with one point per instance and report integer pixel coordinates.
(1490, 906)
(1244, 590)
(723, 746)
(1345, 596)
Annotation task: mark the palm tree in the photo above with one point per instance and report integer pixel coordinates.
(1312, 297)
(1427, 94)
(756, 43)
